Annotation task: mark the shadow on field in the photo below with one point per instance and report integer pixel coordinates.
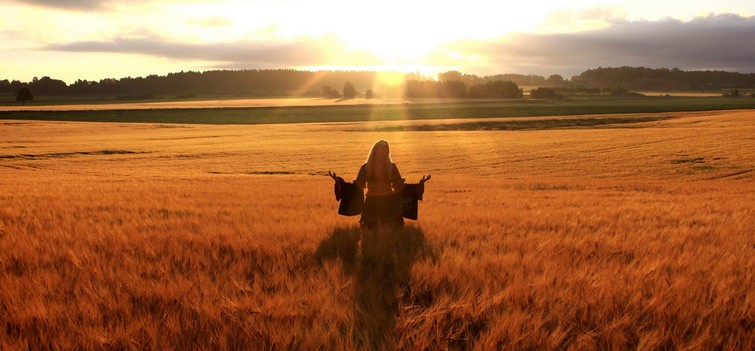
(381, 262)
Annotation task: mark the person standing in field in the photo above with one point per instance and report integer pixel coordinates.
(381, 177)
(383, 203)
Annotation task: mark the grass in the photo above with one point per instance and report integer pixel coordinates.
(420, 111)
(137, 236)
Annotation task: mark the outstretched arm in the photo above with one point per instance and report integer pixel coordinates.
(338, 180)
(337, 183)
(333, 175)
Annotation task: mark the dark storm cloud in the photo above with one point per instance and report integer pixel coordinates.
(301, 52)
(721, 42)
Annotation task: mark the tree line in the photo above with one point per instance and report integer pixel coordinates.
(283, 82)
(273, 82)
(660, 79)
(458, 89)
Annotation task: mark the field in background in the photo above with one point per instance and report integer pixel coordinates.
(632, 234)
(684, 93)
(194, 104)
(358, 110)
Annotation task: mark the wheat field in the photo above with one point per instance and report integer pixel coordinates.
(200, 104)
(167, 236)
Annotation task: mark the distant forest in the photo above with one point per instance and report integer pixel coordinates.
(285, 82)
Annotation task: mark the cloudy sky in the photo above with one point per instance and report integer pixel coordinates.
(95, 39)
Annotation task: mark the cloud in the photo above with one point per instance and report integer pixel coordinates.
(12, 34)
(575, 20)
(303, 51)
(88, 5)
(210, 22)
(716, 42)
(68, 4)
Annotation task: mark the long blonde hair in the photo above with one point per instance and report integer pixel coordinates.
(371, 157)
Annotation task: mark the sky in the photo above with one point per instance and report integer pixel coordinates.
(97, 39)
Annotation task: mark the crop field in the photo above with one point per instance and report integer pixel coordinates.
(579, 232)
(103, 105)
(314, 110)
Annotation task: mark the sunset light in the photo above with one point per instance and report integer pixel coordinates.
(478, 36)
(377, 175)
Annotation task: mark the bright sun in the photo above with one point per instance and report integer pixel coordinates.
(392, 47)
(394, 35)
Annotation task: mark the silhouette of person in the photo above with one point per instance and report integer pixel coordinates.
(383, 203)
(381, 177)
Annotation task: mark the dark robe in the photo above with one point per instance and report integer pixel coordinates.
(351, 197)
(410, 194)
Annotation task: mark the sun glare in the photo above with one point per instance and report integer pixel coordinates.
(388, 75)
(395, 35)
(393, 47)
(390, 78)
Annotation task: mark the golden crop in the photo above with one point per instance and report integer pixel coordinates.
(143, 236)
